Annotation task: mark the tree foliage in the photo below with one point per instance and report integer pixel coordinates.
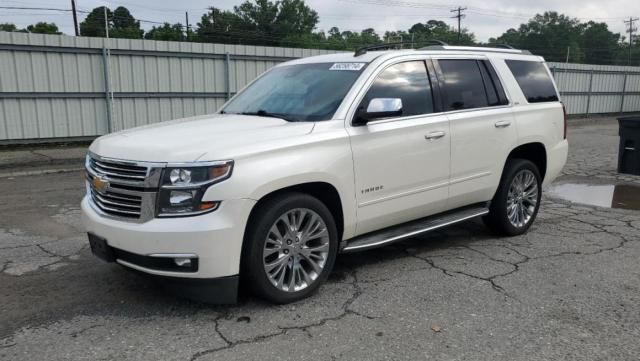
(124, 25)
(43, 28)
(8, 27)
(166, 32)
(259, 22)
(120, 22)
(554, 35)
(292, 23)
(94, 23)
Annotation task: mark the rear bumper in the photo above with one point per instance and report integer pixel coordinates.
(556, 160)
(214, 238)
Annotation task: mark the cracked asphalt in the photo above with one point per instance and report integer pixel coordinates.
(569, 289)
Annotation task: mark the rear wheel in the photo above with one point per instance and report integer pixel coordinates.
(516, 203)
(291, 247)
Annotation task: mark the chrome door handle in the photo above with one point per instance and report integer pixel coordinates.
(503, 124)
(434, 135)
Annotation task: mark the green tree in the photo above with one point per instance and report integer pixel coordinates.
(166, 32)
(221, 26)
(598, 43)
(125, 25)
(551, 35)
(94, 24)
(260, 22)
(43, 28)
(8, 27)
(120, 22)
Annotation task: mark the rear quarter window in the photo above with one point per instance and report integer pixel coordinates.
(534, 80)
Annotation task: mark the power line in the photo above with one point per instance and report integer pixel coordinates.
(459, 15)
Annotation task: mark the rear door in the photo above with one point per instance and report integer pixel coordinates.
(401, 163)
(482, 126)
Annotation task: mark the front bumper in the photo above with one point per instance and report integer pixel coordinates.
(215, 238)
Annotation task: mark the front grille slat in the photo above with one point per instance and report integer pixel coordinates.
(122, 198)
(120, 168)
(114, 201)
(121, 205)
(118, 174)
(119, 212)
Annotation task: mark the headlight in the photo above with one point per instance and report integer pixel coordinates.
(182, 188)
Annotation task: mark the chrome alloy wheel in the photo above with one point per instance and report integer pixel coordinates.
(296, 250)
(522, 198)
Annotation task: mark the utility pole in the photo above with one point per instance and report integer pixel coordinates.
(106, 22)
(186, 15)
(75, 17)
(459, 15)
(631, 30)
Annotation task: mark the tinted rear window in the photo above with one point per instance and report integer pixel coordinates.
(534, 80)
(463, 84)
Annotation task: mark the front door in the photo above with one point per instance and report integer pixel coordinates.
(401, 163)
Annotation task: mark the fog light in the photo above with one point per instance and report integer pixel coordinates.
(182, 262)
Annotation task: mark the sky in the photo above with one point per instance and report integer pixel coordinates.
(485, 18)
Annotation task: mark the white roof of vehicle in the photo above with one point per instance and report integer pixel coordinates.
(349, 57)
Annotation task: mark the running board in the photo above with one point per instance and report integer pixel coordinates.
(410, 229)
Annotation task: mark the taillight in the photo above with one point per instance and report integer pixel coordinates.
(564, 111)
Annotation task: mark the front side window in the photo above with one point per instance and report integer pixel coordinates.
(534, 80)
(304, 92)
(463, 84)
(407, 81)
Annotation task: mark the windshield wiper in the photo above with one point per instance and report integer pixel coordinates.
(264, 113)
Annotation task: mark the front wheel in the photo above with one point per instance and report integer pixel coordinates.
(291, 247)
(517, 201)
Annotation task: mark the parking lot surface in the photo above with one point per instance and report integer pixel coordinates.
(568, 289)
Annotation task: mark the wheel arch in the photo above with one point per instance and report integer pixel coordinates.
(535, 152)
(325, 192)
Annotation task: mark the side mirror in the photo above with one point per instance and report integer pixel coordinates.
(379, 108)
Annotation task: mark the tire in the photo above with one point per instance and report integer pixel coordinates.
(287, 270)
(512, 216)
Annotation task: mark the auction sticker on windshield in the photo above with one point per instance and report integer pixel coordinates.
(348, 66)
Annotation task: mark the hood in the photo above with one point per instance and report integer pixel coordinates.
(201, 138)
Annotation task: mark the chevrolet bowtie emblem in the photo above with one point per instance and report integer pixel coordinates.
(100, 184)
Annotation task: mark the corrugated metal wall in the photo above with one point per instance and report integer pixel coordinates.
(593, 89)
(54, 86)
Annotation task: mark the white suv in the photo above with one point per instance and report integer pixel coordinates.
(328, 154)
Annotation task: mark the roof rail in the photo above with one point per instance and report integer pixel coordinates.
(502, 48)
(363, 50)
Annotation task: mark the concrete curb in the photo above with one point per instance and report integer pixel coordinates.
(41, 163)
(21, 173)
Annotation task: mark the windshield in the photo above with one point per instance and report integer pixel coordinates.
(305, 92)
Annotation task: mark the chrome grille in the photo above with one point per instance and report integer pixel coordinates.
(118, 204)
(120, 171)
(123, 189)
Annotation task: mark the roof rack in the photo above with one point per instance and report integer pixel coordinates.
(497, 48)
(503, 46)
(363, 50)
